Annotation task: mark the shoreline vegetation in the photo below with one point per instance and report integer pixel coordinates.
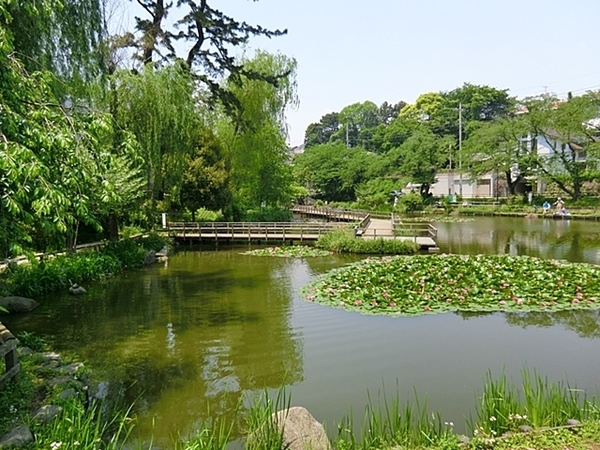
(534, 413)
(60, 272)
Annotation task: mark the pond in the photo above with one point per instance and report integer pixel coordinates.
(198, 332)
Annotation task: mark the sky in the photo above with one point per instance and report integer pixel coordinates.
(384, 50)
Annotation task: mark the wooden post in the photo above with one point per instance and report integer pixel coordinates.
(8, 349)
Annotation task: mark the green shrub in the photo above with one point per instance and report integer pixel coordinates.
(155, 242)
(49, 275)
(411, 202)
(268, 215)
(343, 241)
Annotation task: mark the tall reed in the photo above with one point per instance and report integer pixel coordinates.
(538, 403)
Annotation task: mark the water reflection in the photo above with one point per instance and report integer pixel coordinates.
(184, 339)
(577, 241)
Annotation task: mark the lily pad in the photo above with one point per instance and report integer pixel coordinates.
(296, 251)
(427, 284)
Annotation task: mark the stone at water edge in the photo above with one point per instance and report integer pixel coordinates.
(150, 258)
(77, 290)
(16, 304)
(301, 430)
(18, 437)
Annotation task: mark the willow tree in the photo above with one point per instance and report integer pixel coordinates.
(159, 107)
(65, 37)
(256, 137)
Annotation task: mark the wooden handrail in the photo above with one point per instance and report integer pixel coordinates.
(8, 350)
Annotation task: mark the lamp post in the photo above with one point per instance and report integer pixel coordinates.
(460, 191)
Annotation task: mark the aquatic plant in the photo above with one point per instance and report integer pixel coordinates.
(343, 241)
(428, 284)
(293, 251)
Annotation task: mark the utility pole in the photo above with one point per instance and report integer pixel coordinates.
(347, 140)
(460, 149)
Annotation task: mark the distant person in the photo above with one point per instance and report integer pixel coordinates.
(546, 206)
(560, 206)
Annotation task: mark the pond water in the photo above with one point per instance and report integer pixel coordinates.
(188, 338)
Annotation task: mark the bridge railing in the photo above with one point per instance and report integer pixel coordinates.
(413, 228)
(349, 215)
(250, 230)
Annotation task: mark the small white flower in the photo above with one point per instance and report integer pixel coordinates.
(492, 419)
(55, 445)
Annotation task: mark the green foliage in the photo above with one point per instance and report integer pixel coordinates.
(257, 153)
(33, 341)
(154, 241)
(344, 241)
(268, 215)
(158, 107)
(264, 433)
(78, 428)
(333, 170)
(58, 273)
(537, 403)
(61, 272)
(16, 398)
(127, 252)
(411, 202)
(388, 424)
(440, 283)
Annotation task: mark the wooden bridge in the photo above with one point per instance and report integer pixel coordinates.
(367, 225)
(250, 231)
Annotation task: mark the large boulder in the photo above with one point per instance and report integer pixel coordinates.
(301, 430)
(18, 437)
(17, 304)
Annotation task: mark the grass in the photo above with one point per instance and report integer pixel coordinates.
(344, 241)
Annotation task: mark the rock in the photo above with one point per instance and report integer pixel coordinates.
(573, 423)
(50, 364)
(51, 356)
(525, 429)
(77, 290)
(150, 258)
(301, 430)
(18, 304)
(68, 393)
(47, 413)
(462, 439)
(162, 252)
(59, 380)
(18, 437)
(71, 369)
(25, 351)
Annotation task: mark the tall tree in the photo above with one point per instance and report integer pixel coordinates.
(65, 37)
(212, 35)
(571, 132)
(159, 108)
(256, 137)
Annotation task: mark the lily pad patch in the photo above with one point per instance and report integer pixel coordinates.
(429, 284)
(296, 251)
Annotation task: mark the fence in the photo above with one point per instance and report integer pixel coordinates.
(8, 350)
